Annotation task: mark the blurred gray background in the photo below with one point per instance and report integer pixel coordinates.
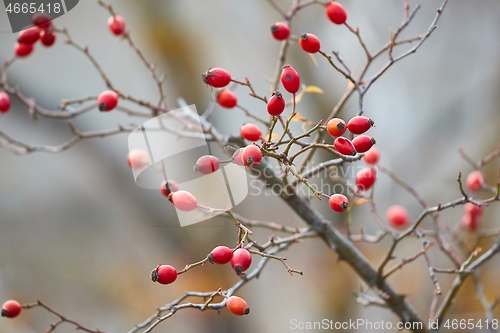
(77, 233)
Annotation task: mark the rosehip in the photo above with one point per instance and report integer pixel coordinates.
(23, 50)
(336, 127)
(183, 200)
(344, 146)
(250, 132)
(365, 178)
(363, 143)
(336, 13)
(280, 30)
(216, 77)
(290, 79)
(220, 255)
(138, 159)
(473, 210)
(276, 104)
(227, 98)
(207, 164)
(164, 274)
(251, 155)
(167, 187)
(4, 102)
(359, 124)
(107, 100)
(397, 216)
(41, 20)
(29, 36)
(339, 203)
(241, 260)
(116, 24)
(11, 309)
(309, 43)
(471, 223)
(47, 37)
(372, 156)
(237, 306)
(475, 181)
(237, 158)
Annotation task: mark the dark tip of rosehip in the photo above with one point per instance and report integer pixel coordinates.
(353, 152)
(102, 107)
(247, 311)
(344, 205)
(304, 36)
(371, 122)
(250, 160)
(239, 270)
(5, 313)
(154, 275)
(372, 140)
(211, 258)
(286, 66)
(274, 28)
(340, 126)
(278, 94)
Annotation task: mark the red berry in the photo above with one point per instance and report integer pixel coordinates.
(4, 102)
(251, 155)
(237, 158)
(47, 37)
(116, 24)
(336, 13)
(473, 210)
(11, 309)
(23, 50)
(207, 164)
(344, 146)
(107, 100)
(336, 127)
(164, 274)
(276, 104)
(237, 306)
(183, 200)
(339, 203)
(363, 143)
(397, 216)
(241, 260)
(280, 30)
(227, 99)
(475, 181)
(29, 36)
(365, 178)
(250, 132)
(290, 79)
(372, 156)
(167, 187)
(220, 255)
(471, 223)
(216, 77)
(42, 20)
(359, 124)
(309, 43)
(138, 159)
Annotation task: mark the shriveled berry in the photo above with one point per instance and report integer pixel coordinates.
(167, 187)
(309, 43)
(336, 12)
(336, 127)
(220, 255)
(237, 306)
(363, 143)
(4, 102)
(280, 30)
(207, 164)
(365, 178)
(397, 216)
(138, 159)
(29, 36)
(184, 200)
(475, 181)
(47, 37)
(216, 77)
(227, 98)
(237, 157)
(107, 100)
(344, 146)
(251, 155)
(339, 203)
(164, 274)
(290, 79)
(23, 50)
(250, 132)
(359, 124)
(116, 24)
(42, 20)
(372, 156)
(11, 309)
(276, 104)
(241, 260)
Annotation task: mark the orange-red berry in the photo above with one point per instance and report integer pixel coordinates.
(363, 143)
(344, 146)
(184, 200)
(276, 104)
(11, 309)
(216, 77)
(107, 100)
(339, 203)
(23, 50)
(116, 24)
(29, 36)
(237, 306)
(290, 79)
(164, 274)
(251, 155)
(336, 127)
(220, 255)
(207, 164)
(336, 12)
(475, 181)
(250, 132)
(365, 178)
(227, 98)
(359, 124)
(372, 156)
(397, 216)
(280, 31)
(309, 43)
(4, 102)
(241, 260)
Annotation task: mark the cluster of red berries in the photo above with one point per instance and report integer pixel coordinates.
(42, 31)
